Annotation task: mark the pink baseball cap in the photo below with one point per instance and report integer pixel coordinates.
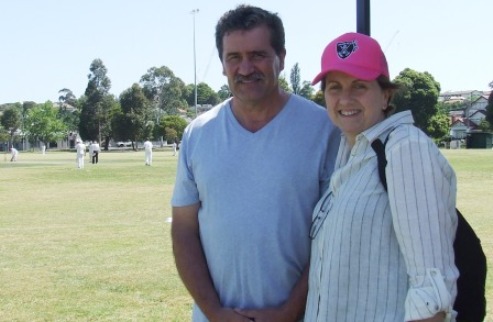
(355, 54)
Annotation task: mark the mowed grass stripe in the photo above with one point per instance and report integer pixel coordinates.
(95, 245)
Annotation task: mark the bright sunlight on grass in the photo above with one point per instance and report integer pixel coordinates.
(94, 244)
(87, 245)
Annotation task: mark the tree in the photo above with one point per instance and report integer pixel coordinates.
(283, 83)
(295, 78)
(456, 106)
(489, 108)
(172, 99)
(439, 125)
(319, 98)
(189, 94)
(6, 106)
(110, 107)
(11, 121)
(224, 93)
(69, 111)
(419, 93)
(152, 82)
(307, 90)
(66, 98)
(164, 90)
(206, 95)
(26, 106)
(134, 122)
(4, 135)
(95, 112)
(484, 126)
(172, 127)
(170, 135)
(43, 123)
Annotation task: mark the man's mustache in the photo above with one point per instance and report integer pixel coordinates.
(248, 78)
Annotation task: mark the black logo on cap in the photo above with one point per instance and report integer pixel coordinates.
(345, 49)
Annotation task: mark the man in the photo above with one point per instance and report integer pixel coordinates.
(95, 152)
(80, 154)
(174, 148)
(148, 152)
(14, 153)
(91, 151)
(244, 191)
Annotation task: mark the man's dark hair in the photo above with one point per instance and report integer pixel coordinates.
(246, 17)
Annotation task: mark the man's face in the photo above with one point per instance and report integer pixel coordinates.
(251, 64)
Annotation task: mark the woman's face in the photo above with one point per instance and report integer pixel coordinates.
(354, 105)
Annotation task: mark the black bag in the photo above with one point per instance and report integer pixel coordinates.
(470, 303)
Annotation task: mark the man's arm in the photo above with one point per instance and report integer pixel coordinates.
(192, 265)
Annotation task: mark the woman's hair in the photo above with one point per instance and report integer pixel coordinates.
(391, 87)
(386, 85)
(246, 17)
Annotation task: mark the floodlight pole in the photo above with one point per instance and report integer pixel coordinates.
(363, 16)
(193, 12)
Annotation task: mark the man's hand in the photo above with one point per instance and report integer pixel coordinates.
(229, 315)
(269, 315)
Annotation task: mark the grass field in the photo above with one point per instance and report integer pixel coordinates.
(94, 244)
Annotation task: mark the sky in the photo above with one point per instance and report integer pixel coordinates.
(49, 45)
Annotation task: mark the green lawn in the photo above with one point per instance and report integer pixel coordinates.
(94, 244)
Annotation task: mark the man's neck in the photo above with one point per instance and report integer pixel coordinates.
(254, 116)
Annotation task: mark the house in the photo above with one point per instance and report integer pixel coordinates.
(458, 129)
(459, 95)
(477, 105)
(475, 120)
(469, 115)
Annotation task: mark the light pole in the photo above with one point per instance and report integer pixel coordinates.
(363, 16)
(193, 12)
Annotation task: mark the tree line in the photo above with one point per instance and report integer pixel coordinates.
(160, 105)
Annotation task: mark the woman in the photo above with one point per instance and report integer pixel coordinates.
(379, 256)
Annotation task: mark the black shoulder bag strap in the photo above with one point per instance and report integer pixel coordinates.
(470, 303)
(379, 149)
